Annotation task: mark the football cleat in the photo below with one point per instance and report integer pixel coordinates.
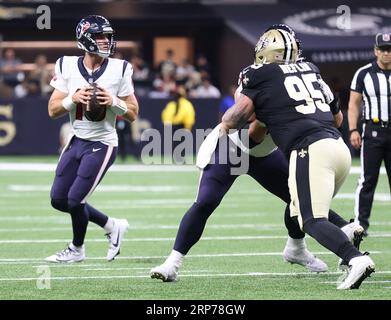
(115, 238)
(304, 258)
(359, 269)
(167, 272)
(355, 234)
(67, 255)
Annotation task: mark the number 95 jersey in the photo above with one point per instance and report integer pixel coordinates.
(288, 99)
(114, 75)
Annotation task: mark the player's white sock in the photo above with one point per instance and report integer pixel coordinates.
(295, 244)
(175, 258)
(73, 247)
(109, 225)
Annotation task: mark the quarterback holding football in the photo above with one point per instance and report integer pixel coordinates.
(93, 89)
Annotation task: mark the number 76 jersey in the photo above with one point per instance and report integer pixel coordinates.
(289, 100)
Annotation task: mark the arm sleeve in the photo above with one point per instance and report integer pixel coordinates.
(126, 86)
(58, 82)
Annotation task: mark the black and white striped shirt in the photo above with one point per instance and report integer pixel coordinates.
(374, 84)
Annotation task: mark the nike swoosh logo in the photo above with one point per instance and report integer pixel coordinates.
(95, 150)
(116, 244)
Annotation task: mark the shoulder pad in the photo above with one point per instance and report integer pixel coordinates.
(313, 67)
(252, 75)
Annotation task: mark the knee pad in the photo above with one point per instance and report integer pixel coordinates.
(60, 204)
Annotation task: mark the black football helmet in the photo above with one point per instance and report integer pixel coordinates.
(86, 32)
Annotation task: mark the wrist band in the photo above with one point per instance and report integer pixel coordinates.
(353, 130)
(67, 103)
(119, 106)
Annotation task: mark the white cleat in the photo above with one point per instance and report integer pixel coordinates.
(115, 238)
(304, 258)
(355, 234)
(359, 269)
(67, 255)
(166, 272)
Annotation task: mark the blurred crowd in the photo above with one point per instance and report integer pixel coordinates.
(18, 79)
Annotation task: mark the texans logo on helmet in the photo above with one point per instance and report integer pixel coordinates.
(85, 27)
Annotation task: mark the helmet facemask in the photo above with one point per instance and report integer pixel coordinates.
(110, 46)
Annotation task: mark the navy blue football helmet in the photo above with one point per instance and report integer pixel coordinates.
(86, 32)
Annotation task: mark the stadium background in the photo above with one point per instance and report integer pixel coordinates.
(224, 32)
(239, 255)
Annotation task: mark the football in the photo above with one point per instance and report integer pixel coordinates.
(93, 110)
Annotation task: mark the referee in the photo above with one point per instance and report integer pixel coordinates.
(371, 84)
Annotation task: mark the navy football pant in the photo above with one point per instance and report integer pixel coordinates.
(271, 172)
(81, 167)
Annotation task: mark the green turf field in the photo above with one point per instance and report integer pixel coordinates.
(239, 256)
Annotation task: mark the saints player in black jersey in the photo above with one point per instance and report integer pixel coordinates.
(289, 97)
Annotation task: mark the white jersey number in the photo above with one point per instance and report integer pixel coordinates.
(302, 88)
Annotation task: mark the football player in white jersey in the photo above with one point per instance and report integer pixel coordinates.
(93, 146)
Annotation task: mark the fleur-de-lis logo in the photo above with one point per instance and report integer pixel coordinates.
(303, 153)
(245, 80)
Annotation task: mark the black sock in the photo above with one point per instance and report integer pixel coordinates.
(292, 225)
(96, 216)
(331, 237)
(336, 219)
(79, 221)
(191, 227)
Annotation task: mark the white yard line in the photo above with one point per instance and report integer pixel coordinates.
(27, 188)
(50, 167)
(104, 188)
(40, 241)
(378, 196)
(211, 255)
(204, 275)
(267, 227)
(155, 227)
(33, 241)
(190, 256)
(59, 218)
(114, 269)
